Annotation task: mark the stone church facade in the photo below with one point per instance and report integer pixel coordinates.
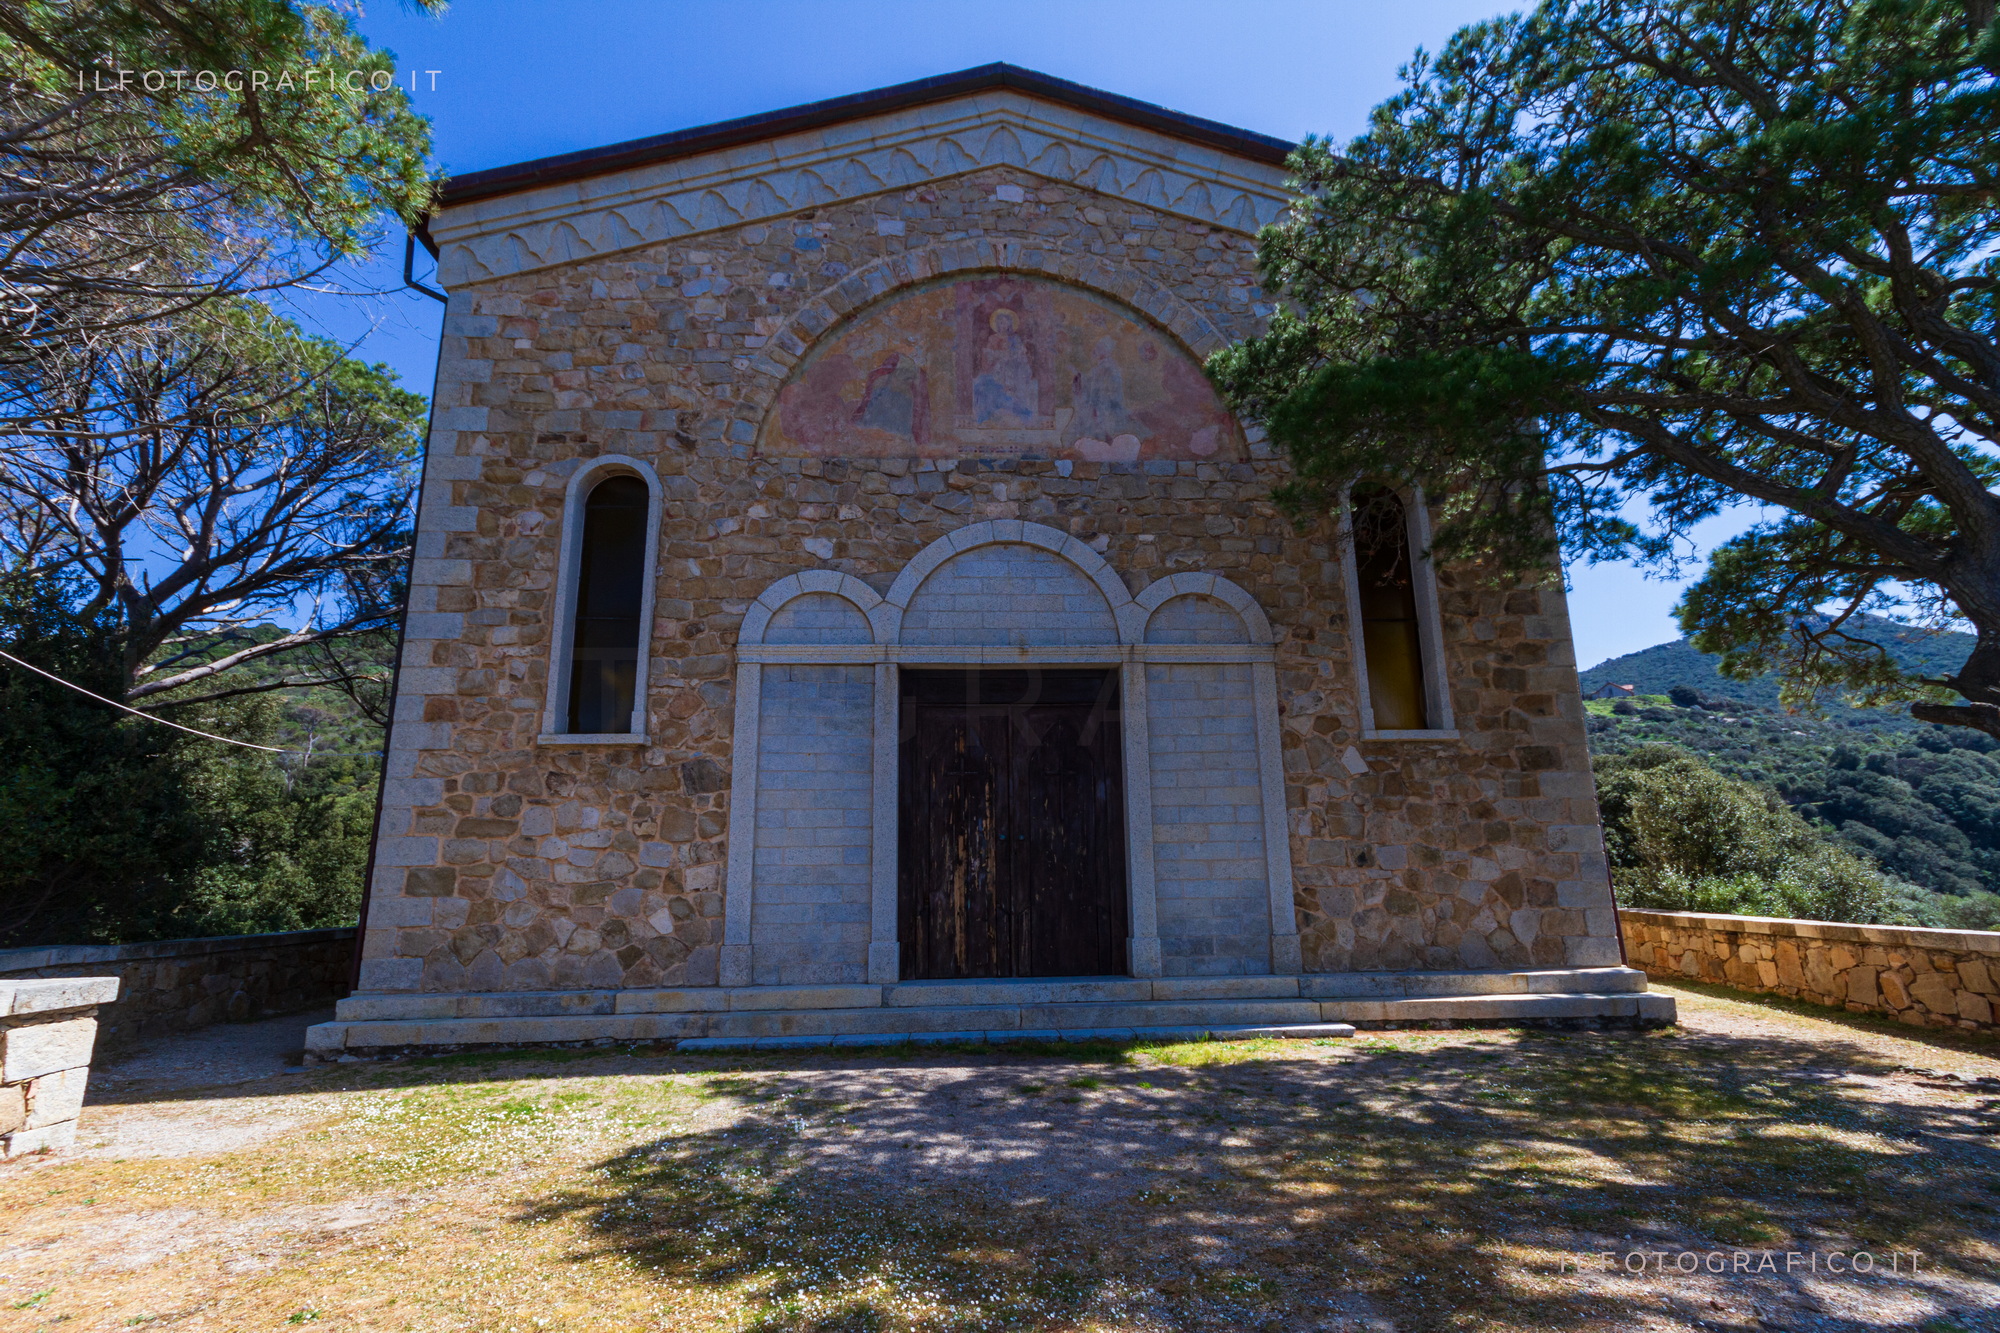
(815, 502)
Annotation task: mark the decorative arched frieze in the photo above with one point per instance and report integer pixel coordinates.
(555, 711)
(496, 237)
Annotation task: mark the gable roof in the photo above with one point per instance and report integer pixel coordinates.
(565, 167)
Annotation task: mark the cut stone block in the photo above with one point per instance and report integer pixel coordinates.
(1162, 1013)
(1225, 988)
(805, 997)
(913, 994)
(56, 1097)
(34, 1049)
(1297, 1032)
(1170, 1034)
(52, 994)
(49, 1138)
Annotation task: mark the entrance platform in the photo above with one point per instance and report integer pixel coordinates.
(1028, 1009)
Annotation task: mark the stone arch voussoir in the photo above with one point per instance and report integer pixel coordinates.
(770, 601)
(1196, 584)
(1130, 619)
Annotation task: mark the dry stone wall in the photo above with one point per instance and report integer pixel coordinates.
(511, 866)
(170, 986)
(1926, 978)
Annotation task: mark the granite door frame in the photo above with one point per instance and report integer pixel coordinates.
(1131, 656)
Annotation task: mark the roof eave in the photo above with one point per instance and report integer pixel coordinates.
(545, 171)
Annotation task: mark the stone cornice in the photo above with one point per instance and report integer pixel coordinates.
(573, 221)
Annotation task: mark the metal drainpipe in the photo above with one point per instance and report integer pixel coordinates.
(402, 625)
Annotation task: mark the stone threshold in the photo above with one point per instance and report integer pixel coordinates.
(994, 1010)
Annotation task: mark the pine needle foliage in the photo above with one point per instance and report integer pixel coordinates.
(1618, 257)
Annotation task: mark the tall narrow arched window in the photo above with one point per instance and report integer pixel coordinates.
(610, 596)
(1395, 611)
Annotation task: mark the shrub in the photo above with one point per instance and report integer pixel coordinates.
(1976, 911)
(1682, 837)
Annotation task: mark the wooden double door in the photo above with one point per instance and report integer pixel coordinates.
(1011, 858)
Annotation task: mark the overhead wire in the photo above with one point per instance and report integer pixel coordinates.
(165, 722)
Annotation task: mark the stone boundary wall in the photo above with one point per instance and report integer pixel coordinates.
(46, 1032)
(176, 985)
(1926, 978)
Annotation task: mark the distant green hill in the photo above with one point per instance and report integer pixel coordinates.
(1658, 669)
(1922, 801)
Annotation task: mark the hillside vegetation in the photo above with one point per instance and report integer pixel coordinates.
(1921, 802)
(129, 830)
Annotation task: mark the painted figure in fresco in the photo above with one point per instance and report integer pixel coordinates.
(1005, 385)
(1099, 394)
(897, 398)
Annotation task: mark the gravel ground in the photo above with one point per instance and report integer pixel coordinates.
(1402, 1181)
(219, 1056)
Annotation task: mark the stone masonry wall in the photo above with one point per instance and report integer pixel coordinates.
(177, 985)
(813, 832)
(1209, 871)
(1926, 978)
(502, 863)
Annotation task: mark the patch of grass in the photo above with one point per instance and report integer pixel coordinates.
(1738, 1225)
(1197, 1054)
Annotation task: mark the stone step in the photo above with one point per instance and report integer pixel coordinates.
(1023, 990)
(1001, 1017)
(333, 1038)
(527, 1004)
(952, 1022)
(1305, 1031)
(1500, 981)
(1646, 1008)
(1018, 991)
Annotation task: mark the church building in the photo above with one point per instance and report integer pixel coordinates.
(843, 611)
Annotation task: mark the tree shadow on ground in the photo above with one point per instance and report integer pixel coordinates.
(1431, 1180)
(1877, 1025)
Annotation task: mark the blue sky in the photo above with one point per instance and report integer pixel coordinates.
(522, 79)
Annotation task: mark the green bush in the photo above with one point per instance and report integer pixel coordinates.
(1975, 911)
(1682, 837)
